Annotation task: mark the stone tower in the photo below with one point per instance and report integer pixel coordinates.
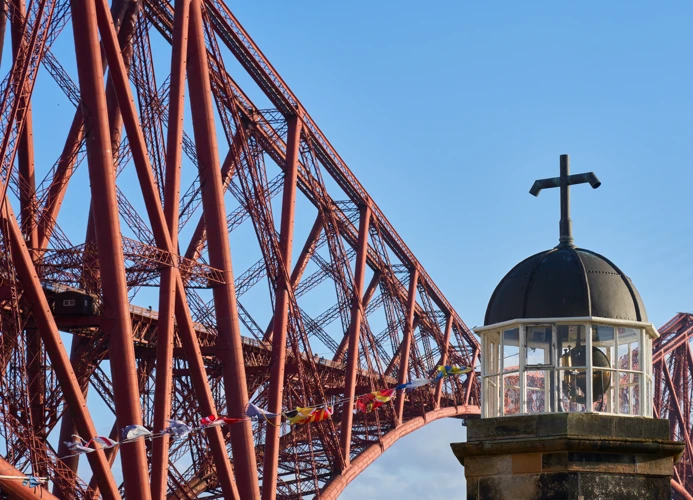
(566, 374)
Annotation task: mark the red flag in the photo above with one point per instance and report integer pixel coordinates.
(211, 420)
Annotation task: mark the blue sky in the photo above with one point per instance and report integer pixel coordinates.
(448, 111)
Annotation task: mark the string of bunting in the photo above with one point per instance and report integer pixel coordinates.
(365, 403)
(30, 481)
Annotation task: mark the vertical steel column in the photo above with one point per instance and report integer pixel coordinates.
(27, 190)
(67, 424)
(406, 341)
(115, 119)
(3, 24)
(229, 344)
(124, 15)
(198, 375)
(45, 323)
(128, 24)
(66, 163)
(281, 310)
(354, 333)
(25, 151)
(164, 346)
(444, 356)
(36, 386)
(161, 235)
(116, 314)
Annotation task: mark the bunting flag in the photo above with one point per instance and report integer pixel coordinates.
(321, 414)
(373, 400)
(367, 403)
(413, 384)
(299, 416)
(135, 431)
(255, 411)
(231, 421)
(30, 481)
(78, 445)
(385, 396)
(177, 429)
(214, 421)
(33, 481)
(104, 442)
(211, 421)
(447, 371)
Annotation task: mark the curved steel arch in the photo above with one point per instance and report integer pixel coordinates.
(335, 487)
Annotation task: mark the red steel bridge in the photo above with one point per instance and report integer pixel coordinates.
(158, 181)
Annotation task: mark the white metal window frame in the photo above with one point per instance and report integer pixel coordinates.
(645, 345)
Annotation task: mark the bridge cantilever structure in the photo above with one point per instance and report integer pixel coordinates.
(182, 175)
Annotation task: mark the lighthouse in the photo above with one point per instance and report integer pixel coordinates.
(566, 380)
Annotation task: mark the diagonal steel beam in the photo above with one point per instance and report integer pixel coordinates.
(163, 240)
(229, 341)
(164, 348)
(109, 242)
(60, 362)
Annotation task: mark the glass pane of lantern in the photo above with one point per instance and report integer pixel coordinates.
(603, 391)
(492, 395)
(511, 349)
(492, 353)
(635, 379)
(511, 393)
(628, 340)
(538, 346)
(629, 393)
(604, 340)
(537, 391)
(572, 387)
(570, 345)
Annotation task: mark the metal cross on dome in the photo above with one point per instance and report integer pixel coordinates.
(564, 182)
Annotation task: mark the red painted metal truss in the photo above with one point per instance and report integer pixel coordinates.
(180, 172)
(673, 392)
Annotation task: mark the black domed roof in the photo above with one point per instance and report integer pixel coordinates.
(565, 282)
